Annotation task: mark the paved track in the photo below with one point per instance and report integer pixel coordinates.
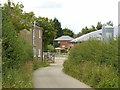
(53, 77)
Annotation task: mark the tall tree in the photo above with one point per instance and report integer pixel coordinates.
(109, 23)
(85, 30)
(68, 32)
(49, 30)
(57, 26)
(93, 28)
(20, 19)
(15, 49)
(99, 26)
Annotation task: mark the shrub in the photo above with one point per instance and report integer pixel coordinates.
(39, 64)
(18, 78)
(15, 54)
(50, 48)
(94, 63)
(15, 50)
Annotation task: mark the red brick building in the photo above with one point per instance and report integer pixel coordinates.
(64, 41)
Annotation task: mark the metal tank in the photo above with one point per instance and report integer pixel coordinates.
(107, 33)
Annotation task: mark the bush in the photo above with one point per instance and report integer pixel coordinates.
(50, 48)
(15, 51)
(39, 64)
(18, 78)
(15, 54)
(94, 63)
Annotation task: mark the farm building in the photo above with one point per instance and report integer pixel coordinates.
(34, 38)
(64, 41)
(95, 34)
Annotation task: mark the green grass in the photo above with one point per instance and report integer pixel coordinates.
(0, 64)
(38, 64)
(93, 75)
(21, 78)
(18, 78)
(94, 63)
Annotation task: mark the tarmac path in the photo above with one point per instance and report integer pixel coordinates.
(54, 77)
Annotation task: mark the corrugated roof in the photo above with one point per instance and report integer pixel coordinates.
(64, 38)
(95, 34)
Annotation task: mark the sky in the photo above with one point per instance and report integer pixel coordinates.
(74, 14)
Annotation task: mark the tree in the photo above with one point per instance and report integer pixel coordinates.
(109, 23)
(19, 19)
(93, 28)
(15, 50)
(68, 32)
(99, 26)
(49, 30)
(50, 48)
(85, 30)
(57, 26)
(77, 35)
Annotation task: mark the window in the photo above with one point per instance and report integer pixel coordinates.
(39, 34)
(39, 53)
(34, 52)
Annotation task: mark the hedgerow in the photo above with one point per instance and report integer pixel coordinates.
(15, 53)
(95, 63)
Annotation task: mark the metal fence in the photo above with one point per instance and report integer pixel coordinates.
(49, 56)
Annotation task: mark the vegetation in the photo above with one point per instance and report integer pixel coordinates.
(57, 26)
(0, 49)
(17, 56)
(93, 28)
(49, 31)
(0, 64)
(50, 48)
(94, 63)
(68, 32)
(38, 64)
(99, 26)
(16, 53)
(88, 30)
(18, 78)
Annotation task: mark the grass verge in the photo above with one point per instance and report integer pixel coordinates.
(22, 77)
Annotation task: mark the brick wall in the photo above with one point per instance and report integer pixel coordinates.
(34, 37)
(26, 35)
(65, 44)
